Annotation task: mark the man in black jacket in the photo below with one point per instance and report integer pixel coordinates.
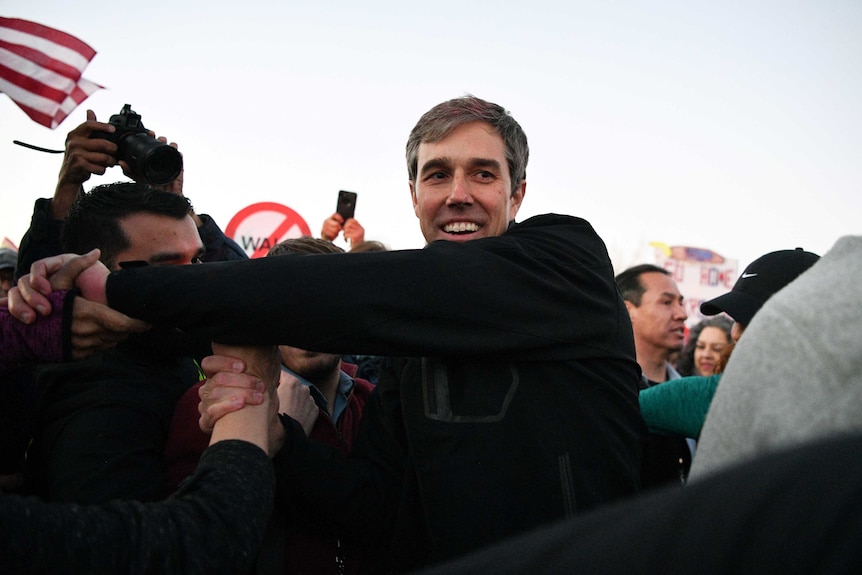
(515, 403)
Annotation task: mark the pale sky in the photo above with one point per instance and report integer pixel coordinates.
(732, 126)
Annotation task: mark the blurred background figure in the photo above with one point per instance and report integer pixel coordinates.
(8, 260)
(680, 406)
(706, 342)
(367, 246)
(658, 316)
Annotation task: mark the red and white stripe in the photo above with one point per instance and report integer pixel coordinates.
(41, 68)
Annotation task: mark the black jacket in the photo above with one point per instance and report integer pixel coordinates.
(101, 423)
(518, 407)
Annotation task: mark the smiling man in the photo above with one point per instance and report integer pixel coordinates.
(510, 397)
(463, 189)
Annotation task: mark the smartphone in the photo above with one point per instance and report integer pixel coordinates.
(346, 204)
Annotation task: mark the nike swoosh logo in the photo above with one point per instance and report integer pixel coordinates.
(748, 276)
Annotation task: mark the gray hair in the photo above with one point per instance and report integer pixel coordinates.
(442, 119)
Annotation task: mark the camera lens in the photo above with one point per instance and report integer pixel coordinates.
(149, 159)
(162, 165)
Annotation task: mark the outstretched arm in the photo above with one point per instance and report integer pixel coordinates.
(534, 292)
(213, 524)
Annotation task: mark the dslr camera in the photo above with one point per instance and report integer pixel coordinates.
(149, 160)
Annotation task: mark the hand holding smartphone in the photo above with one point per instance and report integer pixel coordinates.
(346, 206)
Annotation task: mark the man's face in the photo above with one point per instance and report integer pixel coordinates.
(463, 188)
(659, 322)
(309, 364)
(160, 240)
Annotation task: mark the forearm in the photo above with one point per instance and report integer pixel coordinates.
(252, 423)
(678, 406)
(214, 524)
(64, 196)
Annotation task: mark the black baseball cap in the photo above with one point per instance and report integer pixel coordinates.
(760, 280)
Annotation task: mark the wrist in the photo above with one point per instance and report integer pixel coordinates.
(251, 423)
(64, 197)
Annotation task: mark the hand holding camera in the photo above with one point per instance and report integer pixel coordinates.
(93, 147)
(146, 158)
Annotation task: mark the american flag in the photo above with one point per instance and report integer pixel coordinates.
(40, 69)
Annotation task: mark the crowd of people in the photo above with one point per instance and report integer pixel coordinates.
(499, 400)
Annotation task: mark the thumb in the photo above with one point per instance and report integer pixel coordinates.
(65, 276)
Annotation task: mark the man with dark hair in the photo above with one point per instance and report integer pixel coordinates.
(124, 220)
(102, 423)
(658, 319)
(511, 398)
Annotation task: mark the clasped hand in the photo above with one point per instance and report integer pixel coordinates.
(94, 325)
(232, 383)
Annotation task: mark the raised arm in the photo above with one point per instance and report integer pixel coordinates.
(84, 156)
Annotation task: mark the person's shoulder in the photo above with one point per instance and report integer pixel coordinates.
(554, 224)
(547, 220)
(566, 232)
(846, 245)
(362, 386)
